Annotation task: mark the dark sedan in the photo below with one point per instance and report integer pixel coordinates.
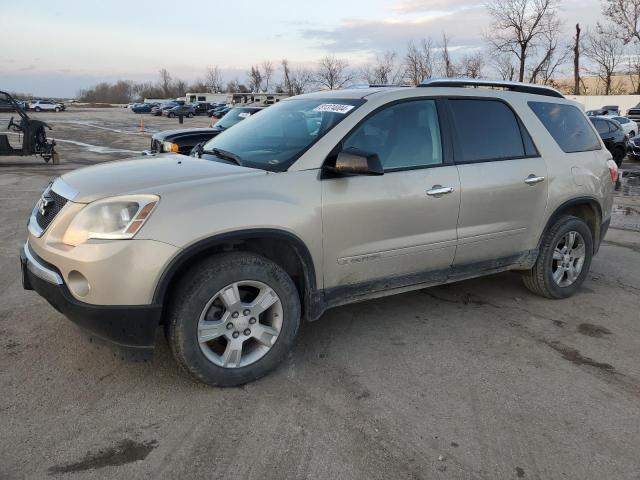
(185, 139)
(157, 111)
(184, 110)
(613, 137)
(143, 107)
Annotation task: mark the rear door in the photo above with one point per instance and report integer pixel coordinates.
(502, 179)
(394, 227)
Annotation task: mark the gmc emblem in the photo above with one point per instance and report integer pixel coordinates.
(44, 203)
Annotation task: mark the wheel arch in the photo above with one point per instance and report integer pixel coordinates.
(282, 247)
(586, 208)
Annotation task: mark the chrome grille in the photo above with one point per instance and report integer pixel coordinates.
(55, 205)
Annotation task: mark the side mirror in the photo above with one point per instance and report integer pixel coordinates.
(356, 162)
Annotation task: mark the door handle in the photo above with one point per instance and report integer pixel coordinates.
(439, 190)
(532, 179)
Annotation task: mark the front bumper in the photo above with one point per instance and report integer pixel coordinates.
(130, 326)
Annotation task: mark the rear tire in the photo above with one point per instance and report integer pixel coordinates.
(37, 109)
(171, 115)
(547, 278)
(204, 302)
(189, 115)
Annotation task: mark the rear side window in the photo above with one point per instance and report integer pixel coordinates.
(488, 130)
(567, 125)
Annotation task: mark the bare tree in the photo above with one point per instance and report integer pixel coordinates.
(295, 81)
(505, 67)
(418, 61)
(165, 82)
(383, 71)
(213, 79)
(552, 56)
(576, 61)
(518, 26)
(333, 73)
(604, 48)
(633, 71)
(471, 65)
(267, 73)
(625, 14)
(254, 78)
(448, 68)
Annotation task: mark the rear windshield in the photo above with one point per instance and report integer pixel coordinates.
(567, 125)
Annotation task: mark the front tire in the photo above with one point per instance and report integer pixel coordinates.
(563, 261)
(171, 115)
(189, 115)
(37, 109)
(233, 319)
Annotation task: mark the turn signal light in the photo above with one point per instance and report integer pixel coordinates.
(170, 147)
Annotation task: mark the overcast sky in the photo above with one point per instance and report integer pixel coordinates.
(56, 47)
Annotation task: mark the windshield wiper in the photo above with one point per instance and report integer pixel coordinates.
(223, 154)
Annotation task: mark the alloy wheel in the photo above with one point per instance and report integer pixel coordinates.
(568, 259)
(240, 324)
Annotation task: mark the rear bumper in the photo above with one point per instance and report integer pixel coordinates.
(130, 326)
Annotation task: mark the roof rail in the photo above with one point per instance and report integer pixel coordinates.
(376, 85)
(504, 84)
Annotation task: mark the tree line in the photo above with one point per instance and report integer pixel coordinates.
(528, 42)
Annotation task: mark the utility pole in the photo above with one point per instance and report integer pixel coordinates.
(576, 62)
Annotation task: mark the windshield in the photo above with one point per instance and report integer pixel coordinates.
(276, 138)
(234, 116)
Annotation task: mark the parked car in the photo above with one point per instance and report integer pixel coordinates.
(204, 107)
(157, 111)
(215, 109)
(185, 139)
(47, 105)
(628, 126)
(633, 148)
(280, 220)
(634, 113)
(606, 110)
(185, 110)
(220, 112)
(143, 107)
(613, 137)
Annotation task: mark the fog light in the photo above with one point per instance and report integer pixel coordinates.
(78, 283)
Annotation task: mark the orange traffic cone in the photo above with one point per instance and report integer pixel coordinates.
(141, 125)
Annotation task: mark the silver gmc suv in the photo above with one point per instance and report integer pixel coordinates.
(321, 200)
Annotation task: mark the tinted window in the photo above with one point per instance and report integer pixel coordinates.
(622, 120)
(487, 130)
(403, 135)
(601, 126)
(567, 125)
(614, 127)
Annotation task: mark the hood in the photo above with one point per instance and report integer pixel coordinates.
(169, 134)
(146, 175)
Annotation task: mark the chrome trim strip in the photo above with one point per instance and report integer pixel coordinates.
(40, 270)
(33, 227)
(64, 189)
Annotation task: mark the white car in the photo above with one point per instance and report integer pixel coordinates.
(39, 105)
(629, 126)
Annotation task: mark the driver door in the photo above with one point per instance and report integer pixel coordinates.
(393, 230)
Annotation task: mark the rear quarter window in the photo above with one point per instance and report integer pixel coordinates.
(567, 125)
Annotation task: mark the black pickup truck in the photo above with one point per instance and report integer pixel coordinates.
(183, 140)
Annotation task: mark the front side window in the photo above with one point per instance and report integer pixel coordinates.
(487, 130)
(405, 135)
(281, 133)
(568, 126)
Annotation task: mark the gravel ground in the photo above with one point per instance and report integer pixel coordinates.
(475, 380)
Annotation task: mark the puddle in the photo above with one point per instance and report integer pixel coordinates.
(591, 330)
(126, 451)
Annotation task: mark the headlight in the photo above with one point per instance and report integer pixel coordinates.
(170, 147)
(110, 218)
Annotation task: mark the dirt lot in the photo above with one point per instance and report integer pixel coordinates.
(476, 380)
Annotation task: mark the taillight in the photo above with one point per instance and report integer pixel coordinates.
(613, 170)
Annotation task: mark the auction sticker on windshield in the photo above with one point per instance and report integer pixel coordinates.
(333, 108)
(244, 115)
